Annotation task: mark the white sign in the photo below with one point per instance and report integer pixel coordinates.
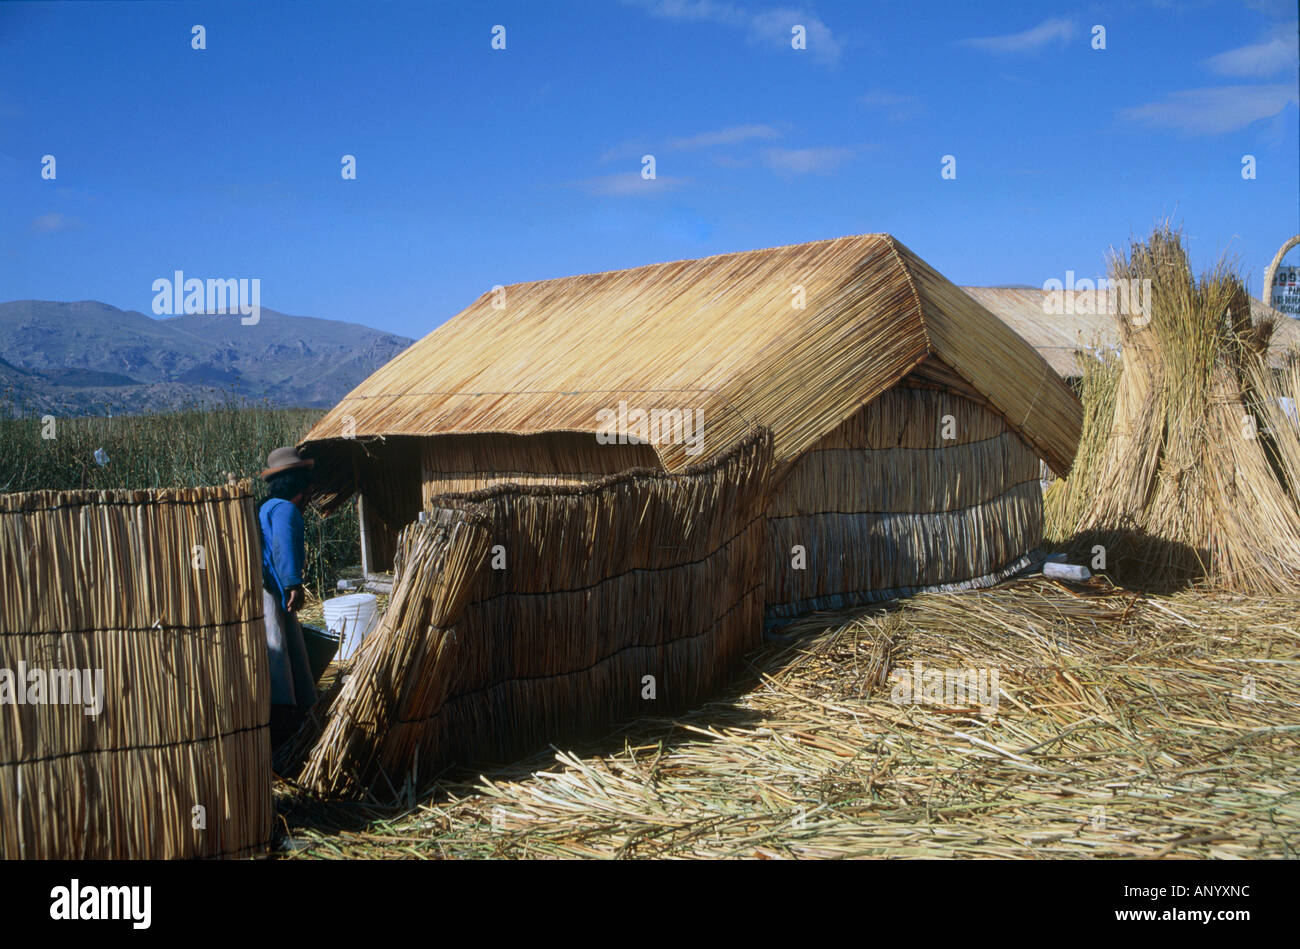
(1286, 291)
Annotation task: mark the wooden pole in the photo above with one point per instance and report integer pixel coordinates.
(365, 536)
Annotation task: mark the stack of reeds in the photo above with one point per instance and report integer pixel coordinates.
(153, 600)
(920, 489)
(1277, 405)
(528, 614)
(1065, 500)
(1179, 478)
(439, 562)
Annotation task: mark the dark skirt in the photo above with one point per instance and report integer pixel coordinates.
(291, 679)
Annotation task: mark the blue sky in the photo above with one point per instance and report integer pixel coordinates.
(478, 166)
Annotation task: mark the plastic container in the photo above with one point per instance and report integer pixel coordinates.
(351, 617)
(1066, 571)
(321, 647)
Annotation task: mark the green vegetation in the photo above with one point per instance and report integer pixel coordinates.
(194, 446)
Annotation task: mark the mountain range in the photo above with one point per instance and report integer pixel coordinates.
(90, 357)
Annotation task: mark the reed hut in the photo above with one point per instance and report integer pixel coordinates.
(907, 419)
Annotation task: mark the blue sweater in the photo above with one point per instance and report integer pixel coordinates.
(283, 546)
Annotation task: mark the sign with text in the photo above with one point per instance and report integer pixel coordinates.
(1286, 291)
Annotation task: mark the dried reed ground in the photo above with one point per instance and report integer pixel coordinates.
(1123, 731)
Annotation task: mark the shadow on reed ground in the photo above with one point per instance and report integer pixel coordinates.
(300, 811)
(1138, 561)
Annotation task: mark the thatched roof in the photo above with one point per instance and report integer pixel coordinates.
(718, 334)
(1058, 336)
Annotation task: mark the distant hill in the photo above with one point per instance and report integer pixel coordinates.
(90, 357)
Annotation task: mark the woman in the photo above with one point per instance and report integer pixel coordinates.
(293, 691)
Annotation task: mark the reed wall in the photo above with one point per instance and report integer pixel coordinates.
(454, 464)
(529, 614)
(161, 591)
(886, 505)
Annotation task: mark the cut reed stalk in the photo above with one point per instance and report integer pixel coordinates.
(1127, 726)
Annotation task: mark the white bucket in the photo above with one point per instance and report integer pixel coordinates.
(350, 617)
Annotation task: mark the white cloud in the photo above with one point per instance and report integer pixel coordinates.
(773, 29)
(1058, 30)
(694, 10)
(629, 184)
(1214, 111)
(896, 106)
(770, 28)
(623, 150)
(52, 223)
(1274, 8)
(885, 99)
(804, 161)
(1274, 54)
(733, 135)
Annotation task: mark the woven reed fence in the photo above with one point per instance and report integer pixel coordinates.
(887, 506)
(112, 581)
(643, 573)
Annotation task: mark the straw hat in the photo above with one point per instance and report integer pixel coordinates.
(283, 459)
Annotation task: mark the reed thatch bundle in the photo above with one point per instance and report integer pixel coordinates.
(920, 489)
(161, 592)
(555, 604)
(1179, 484)
(439, 561)
(1065, 500)
(1277, 405)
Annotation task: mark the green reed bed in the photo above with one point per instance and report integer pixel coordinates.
(193, 446)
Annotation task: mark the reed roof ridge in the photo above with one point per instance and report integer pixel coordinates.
(693, 260)
(892, 243)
